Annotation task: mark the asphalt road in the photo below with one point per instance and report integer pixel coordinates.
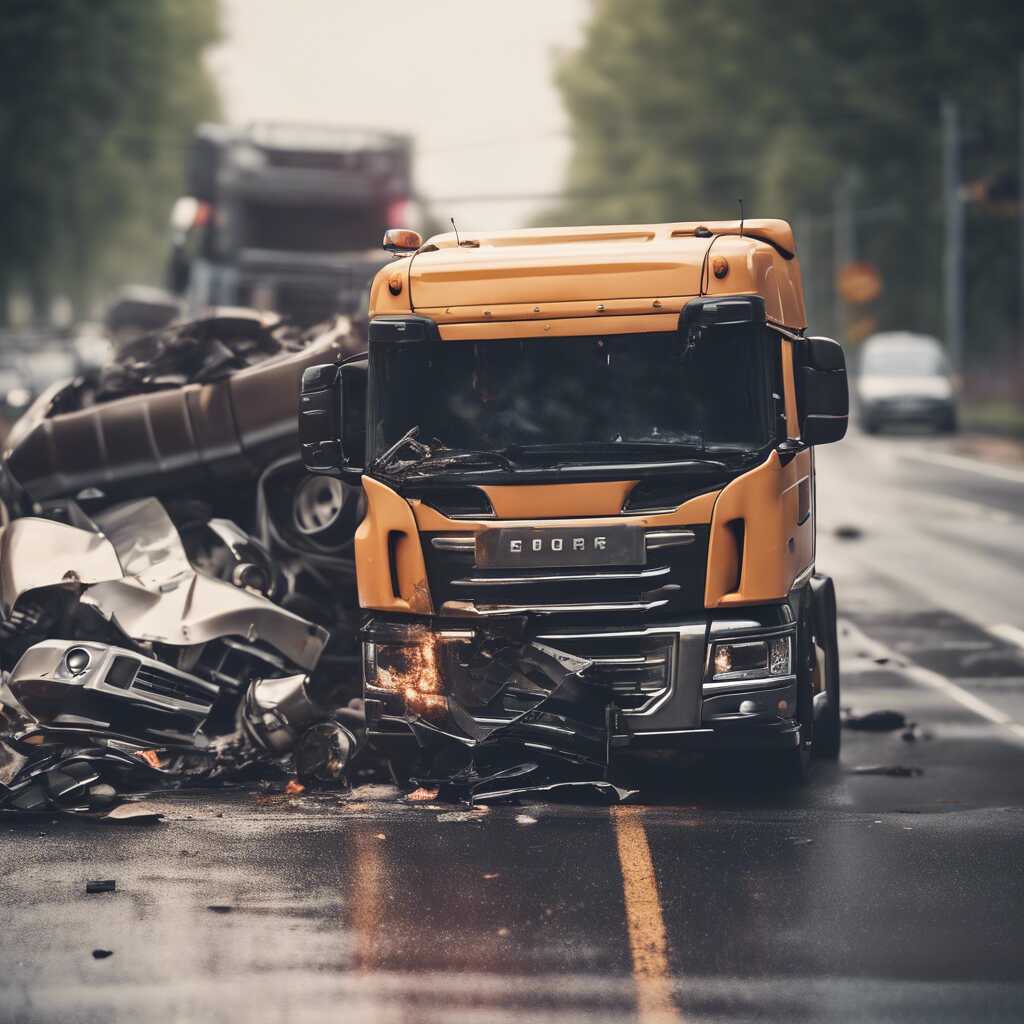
(859, 897)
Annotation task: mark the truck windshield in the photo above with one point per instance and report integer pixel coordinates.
(617, 398)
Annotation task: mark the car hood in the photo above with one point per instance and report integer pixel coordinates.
(871, 388)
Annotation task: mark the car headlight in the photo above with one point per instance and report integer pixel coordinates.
(752, 659)
(18, 397)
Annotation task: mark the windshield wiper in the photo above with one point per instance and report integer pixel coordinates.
(436, 458)
(407, 440)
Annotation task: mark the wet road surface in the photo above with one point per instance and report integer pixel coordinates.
(858, 897)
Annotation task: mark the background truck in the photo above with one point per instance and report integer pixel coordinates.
(588, 463)
(286, 217)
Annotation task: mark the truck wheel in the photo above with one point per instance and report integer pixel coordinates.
(827, 726)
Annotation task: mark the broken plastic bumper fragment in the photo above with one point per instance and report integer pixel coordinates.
(87, 685)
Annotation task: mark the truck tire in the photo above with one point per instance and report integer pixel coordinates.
(827, 725)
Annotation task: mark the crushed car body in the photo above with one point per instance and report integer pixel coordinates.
(156, 628)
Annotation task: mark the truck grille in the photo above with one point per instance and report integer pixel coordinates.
(671, 580)
(637, 667)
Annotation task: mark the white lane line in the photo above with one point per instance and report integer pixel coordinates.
(1015, 476)
(937, 681)
(1011, 634)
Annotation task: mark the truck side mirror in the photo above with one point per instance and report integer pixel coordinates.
(332, 419)
(822, 394)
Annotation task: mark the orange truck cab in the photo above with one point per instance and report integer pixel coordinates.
(600, 440)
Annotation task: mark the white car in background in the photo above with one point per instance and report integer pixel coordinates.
(904, 378)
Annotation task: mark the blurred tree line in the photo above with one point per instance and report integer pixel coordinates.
(679, 107)
(97, 102)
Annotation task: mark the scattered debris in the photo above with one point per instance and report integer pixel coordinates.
(460, 816)
(101, 885)
(896, 771)
(914, 732)
(220, 908)
(421, 795)
(875, 721)
(525, 819)
(102, 954)
(846, 531)
(490, 876)
(294, 788)
(503, 933)
(137, 813)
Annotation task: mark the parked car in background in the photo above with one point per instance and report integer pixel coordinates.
(905, 378)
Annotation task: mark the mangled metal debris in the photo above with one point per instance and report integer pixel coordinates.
(172, 607)
(136, 693)
(516, 716)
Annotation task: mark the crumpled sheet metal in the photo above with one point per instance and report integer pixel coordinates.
(163, 598)
(42, 553)
(556, 734)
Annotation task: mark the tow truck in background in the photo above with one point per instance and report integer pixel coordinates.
(286, 217)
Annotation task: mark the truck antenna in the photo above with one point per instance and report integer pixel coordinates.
(456, 230)
(740, 201)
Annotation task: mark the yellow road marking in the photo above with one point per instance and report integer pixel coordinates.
(647, 941)
(366, 890)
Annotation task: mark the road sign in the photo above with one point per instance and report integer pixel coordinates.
(859, 283)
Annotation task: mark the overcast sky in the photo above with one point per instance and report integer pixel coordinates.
(470, 79)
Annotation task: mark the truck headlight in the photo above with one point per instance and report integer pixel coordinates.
(409, 669)
(752, 659)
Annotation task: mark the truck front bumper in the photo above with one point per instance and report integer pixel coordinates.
(662, 680)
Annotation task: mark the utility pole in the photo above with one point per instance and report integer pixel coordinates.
(1020, 199)
(844, 244)
(954, 247)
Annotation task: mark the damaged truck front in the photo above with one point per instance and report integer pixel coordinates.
(588, 462)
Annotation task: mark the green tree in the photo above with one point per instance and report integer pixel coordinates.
(97, 101)
(680, 107)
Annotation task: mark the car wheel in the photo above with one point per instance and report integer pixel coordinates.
(948, 424)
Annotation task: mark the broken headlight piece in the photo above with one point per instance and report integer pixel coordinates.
(752, 659)
(409, 662)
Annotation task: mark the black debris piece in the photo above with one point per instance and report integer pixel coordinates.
(101, 885)
(896, 771)
(102, 954)
(876, 721)
(847, 531)
(219, 908)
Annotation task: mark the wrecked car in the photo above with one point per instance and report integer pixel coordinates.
(176, 592)
(587, 459)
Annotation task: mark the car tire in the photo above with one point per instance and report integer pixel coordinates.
(948, 424)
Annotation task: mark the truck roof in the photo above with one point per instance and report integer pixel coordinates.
(601, 272)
